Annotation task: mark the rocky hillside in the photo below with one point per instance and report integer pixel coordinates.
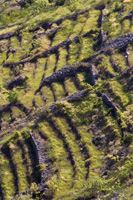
(66, 99)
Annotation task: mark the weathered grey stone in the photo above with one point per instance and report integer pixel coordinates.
(71, 70)
(39, 146)
(108, 102)
(120, 42)
(128, 16)
(17, 81)
(6, 35)
(76, 96)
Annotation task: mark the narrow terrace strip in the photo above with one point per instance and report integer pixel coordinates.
(69, 84)
(59, 155)
(93, 161)
(72, 16)
(7, 179)
(62, 58)
(8, 155)
(51, 87)
(35, 174)
(50, 65)
(20, 167)
(83, 146)
(46, 25)
(25, 161)
(66, 145)
(51, 50)
(69, 138)
(10, 25)
(58, 90)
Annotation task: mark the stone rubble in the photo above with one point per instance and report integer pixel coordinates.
(17, 81)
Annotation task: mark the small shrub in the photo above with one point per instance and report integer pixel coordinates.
(100, 6)
(124, 175)
(51, 191)
(12, 96)
(26, 3)
(34, 191)
(109, 51)
(42, 167)
(45, 113)
(128, 139)
(42, 2)
(118, 6)
(94, 187)
(130, 96)
(33, 187)
(60, 2)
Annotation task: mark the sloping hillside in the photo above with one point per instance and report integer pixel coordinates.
(66, 99)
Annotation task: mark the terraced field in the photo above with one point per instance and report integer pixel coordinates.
(66, 100)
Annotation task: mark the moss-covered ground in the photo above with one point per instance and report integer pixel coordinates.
(88, 139)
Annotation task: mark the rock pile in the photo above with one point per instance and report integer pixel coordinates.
(120, 42)
(17, 81)
(76, 96)
(38, 145)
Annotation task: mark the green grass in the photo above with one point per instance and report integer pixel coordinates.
(41, 44)
(131, 54)
(9, 29)
(59, 90)
(95, 155)
(33, 81)
(63, 33)
(70, 86)
(7, 179)
(118, 92)
(5, 74)
(86, 48)
(75, 149)
(62, 58)
(3, 56)
(7, 117)
(47, 94)
(109, 125)
(119, 60)
(126, 26)
(62, 180)
(79, 110)
(106, 65)
(91, 22)
(50, 65)
(82, 80)
(23, 185)
(38, 100)
(76, 30)
(19, 52)
(29, 157)
(119, 178)
(17, 114)
(73, 51)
